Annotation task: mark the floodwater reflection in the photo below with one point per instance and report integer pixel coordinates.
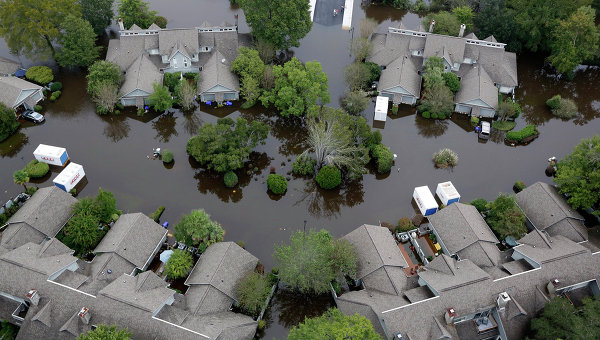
(13, 145)
(165, 127)
(431, 128)
(117, 128)
(327, 203)
(292, 307)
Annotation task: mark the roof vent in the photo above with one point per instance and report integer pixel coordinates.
(223, 60)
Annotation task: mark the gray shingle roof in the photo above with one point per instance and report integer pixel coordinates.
(186, 37)
(445, 273)
(548, 210)
(47, 258)
(141, 75)
(8, 66)
(146, 291)
(543, 249)
(44, 315)
(443, 46)
(18, 234)
(402, 72)
(11, 88)
(217, 71)
(477, 84)
(134, 237)
(499, 64)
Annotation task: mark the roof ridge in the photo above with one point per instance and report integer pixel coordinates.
(374, 245)
(219, 267)
(552, 198)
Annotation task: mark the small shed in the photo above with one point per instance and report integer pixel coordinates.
(447, 193)
(381, 108)
(69, 177)
(51, 154)
(425, 200)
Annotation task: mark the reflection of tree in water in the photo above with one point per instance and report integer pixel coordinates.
(13, 145)
(165, 127)
(497, 136)
(293, 307)
(327, 203)
(117, 128)
(290, 131)
(431, 127)
(192, 123)
(210, 181)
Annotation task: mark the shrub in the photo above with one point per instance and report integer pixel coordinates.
(36, 169)
(566, 109)
(161, 21)
(56, 86)
(156, 214)
(191, 76)
(230, 179)
(172, 80)
(434, 116)
(474, 120)
(277, 184)
(479, 204)
(56, 94)
(445, 158)
(167, 156)
(179, 264)
(8, 122)
(383, 158)
(395, 109)
(419, 6)
(242, 244)
(441, 116)
(40, 74)
(426, 114)
(374, 69)
(405, 224)
(30, 190)
(38, 108)
(554, 102)
(519, 186)
(304, 165)
(504, 125)
(329, 177)
(261, 323)
(451, 81)
(253, 291)
(520, 135)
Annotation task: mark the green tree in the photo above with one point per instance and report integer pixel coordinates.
(357, 76)
(361, 48)
(30, 27)
(355, 102)
(197, 229)
(106, 206)
(464, 15)
(248, 63)
(562, 320)
(179, 264)
(282, 23)
(451, 80)
(104, 332)
(574, 40)
(98, 13)
(78, 43)
(136, 12)
(308, 264)
(445, 23)
(225, 146)
(40, 74)
(106, 97)
(277, 184)
(8, 331)
(578, 175)
(81, 233)
(505, 217)
(494, 18)
(8, 122)
(384, 158)
(299, 89)
(21, 177)
(101, 73)
(186, 94)
(439, 100)
(253, 291)
(335, 325)
(160, 99)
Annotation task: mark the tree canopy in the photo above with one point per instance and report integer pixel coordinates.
(561, 320)
(136, 12)
(179, 264)
(578, 175)
(160, 99)
(445, 23)
(505, 217)
(98, 13)
(78, 43)
(104, 332)
(282, 23)
(253, 291)
(225, 146)
(198, 230)
(335, 325)
(103, 71)
(313, 260)
(299, 89)
(438, 99)
(8, 122)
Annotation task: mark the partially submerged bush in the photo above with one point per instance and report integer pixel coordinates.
(230, 179)
(56, 86)
(566, 108)
(156, 214)
(167, 156)
(405, 224)
(554, 102)
(384, 158)
(36, 169)
(474, 120)
(304, 165)
(520, 135)
(40, 74)
(253, 291)
(277, 184)
(479, 204)
(329, 177)
(445, 158)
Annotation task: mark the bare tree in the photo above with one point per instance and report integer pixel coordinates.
(186, 94)
(367, 27)
(106, 97)
(361, 48)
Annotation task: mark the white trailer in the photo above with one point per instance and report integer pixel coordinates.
(52, 155)
(425, 200)
(381, 108)
(447, 193)
(69, 177)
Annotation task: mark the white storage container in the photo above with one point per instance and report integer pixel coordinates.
(381, 108)
(447, 193)
(425, 201)
(51, 154)
(69, 177)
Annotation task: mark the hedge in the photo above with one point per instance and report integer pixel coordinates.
(36, 169)
(277, 184)
(56, 86)
(520, 135)
(384, 158)
(156, 214)
(329, 177)
(40, 74)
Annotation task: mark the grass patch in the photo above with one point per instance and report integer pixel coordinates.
(504, 125)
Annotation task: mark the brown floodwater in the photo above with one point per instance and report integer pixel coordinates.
(114, 151)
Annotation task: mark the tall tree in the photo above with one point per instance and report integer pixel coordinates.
(505, 217)
(78, 43)
(574, 40)
(136, 12)
(335, 325)
(104, 332)
(494, 18)
(179, 264)
(160, 99)
(30, 27)
(102, 72)
(8, 122)
(197, 229)
(438, 99)
(280, 22)
(98, 13)
(21, 177)
(561, 320)
(445, 23)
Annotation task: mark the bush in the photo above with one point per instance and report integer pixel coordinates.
(156, 214)
(36, 169)
(38, 108)
(56, 86)
(384, 158)
(374, 69)
(161, 21)
(445, 158)
(520, 135)
(479, 204)
(395, 109)
(261, 323)
(40, 74)
(474, 120)
(30, 191)
(230, 179)
(304, 165)
(434, 116)
(419, 6)
(519, 186)
(277, 184)
(253, 291)
(441, 116)
(191, 76)
(405, 224)
(426, 114)
(56, 94)
(172, 80)
(566, 109)
(329, 177)
(179, 264)
(167, 156)
(554, 102)
(504, 125)
(8, 122)
(451, 81)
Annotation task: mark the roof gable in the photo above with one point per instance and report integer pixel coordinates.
(477, 87)
(216, 71)
(144, 291)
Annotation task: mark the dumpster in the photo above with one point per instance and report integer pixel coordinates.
(69, 177)
(51, 154)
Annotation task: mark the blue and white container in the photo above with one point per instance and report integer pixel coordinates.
(51, 154)
(69, 177)
(447, 193)
(425, 201)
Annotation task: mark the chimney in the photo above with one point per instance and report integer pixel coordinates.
(236, 20)
(503, 300)
(431, 25)
(450, 315)
(33, 297)
(462, 30)
(121, 27)
(552, 286)
(84, 315)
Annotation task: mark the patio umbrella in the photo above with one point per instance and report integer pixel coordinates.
(164, 257)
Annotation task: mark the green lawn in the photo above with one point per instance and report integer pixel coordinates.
(504, 125)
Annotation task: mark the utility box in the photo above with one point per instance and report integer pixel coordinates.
(447, 193)
(51, 154)
(381, 108)
(69, 177)
(425, 201)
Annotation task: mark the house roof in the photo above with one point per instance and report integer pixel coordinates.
(499, 64)
(11, 88)
(8, 66)
(477, 84)
(445, 273)
(217, 71)
(47, 258)
(133, 237)
(389, 47)
(450, 48)
(44, 315)
(401, 72)
(184, 38)
(141, 75)
(548, 210)
(543, 248)
(145, 291)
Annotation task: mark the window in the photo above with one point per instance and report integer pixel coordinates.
(185, 63)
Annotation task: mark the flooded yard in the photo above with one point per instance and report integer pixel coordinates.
(114, 150)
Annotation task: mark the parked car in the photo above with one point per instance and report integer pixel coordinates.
(484, 132)
(33, 116)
